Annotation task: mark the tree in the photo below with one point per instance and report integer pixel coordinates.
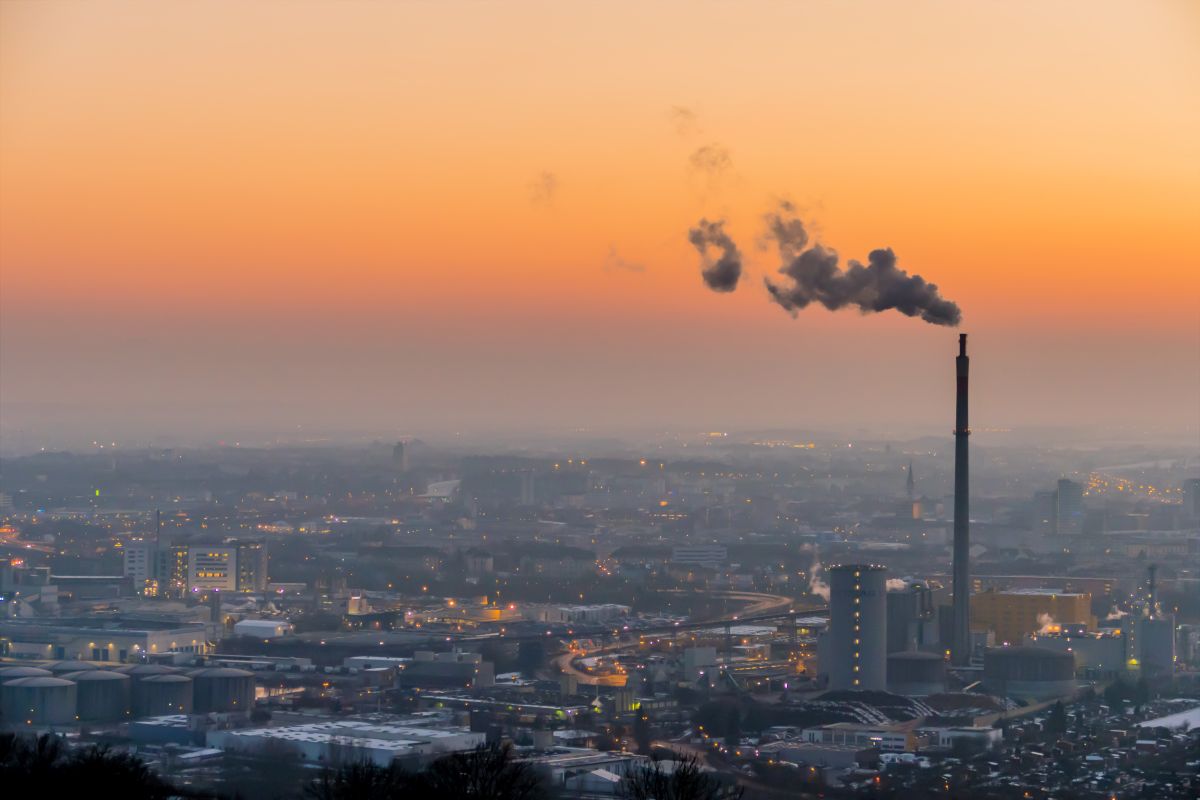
(683, 780)
(489, 772)
(361, 781)
(44, 766)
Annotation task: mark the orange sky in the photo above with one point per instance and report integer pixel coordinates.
(269, 214)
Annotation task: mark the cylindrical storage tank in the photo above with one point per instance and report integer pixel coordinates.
(1032, 673)
(222, 689)
(1155, 639)
(63, 667)
(162, 695)
(101, 696)
(141, 671)
(856, 646)
(12, 673)
(916, 674)
(38, 700)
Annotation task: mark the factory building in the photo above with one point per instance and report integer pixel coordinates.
(712, 556)
(1103, 654)
(911, 619)
(916, 674)
(853, 652)
(327, 741)
(1029, 673)
(104, 640)
(263, 628)
(1013, 614)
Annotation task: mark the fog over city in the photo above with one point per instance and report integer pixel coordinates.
(531, 401)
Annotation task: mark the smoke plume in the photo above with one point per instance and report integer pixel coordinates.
(1047, 625)
(543, 188)
(684, 119)
(711, 160)
(815, 276)
(816, 584)
(722, 273)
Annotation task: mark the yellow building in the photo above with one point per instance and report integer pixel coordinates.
(1012, 614)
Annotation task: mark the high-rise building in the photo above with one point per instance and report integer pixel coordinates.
(140, 564)
(252, 566)
(1045, 513)
(1191, 499)
(1069, 508)
(400, 457)
(212, 567)
(854, 652)
(172, 569)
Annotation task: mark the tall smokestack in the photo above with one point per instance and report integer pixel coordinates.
(960, 646)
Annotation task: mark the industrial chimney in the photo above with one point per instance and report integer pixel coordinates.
(960, 645)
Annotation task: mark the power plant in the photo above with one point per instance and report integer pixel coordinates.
(960, 643)
(855, 654)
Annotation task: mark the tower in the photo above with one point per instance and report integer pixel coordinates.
(855, 652)
(960, 643)
(911, 483)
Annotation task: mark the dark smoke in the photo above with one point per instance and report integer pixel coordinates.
(723, 274)
(877, 286)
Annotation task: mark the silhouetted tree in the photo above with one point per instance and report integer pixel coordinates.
(682, 780)
(44, 766)
(489, 772)
(361, 781)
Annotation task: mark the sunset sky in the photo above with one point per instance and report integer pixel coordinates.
(406, 217)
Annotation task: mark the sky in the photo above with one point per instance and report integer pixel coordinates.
(404, 217)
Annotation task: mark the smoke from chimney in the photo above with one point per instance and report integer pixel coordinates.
(723, 273)
(814, 274)
(816, 584)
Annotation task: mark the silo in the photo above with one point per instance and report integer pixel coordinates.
(222, 689)
(12, 673)
(1155, 645)
(141, 671)
(160, 695)
(101, 696)
(855, 652)
(1032, 673)
(63, 667)
(38, 700)
(916, 674)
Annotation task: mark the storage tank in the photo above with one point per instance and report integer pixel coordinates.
(63, 667)
(855, 652)
(101, 696)
(38, 700)
(141, 671)
(1033, 673)
(12, 673)
(222, 689)
(160, 695)
(916, 674)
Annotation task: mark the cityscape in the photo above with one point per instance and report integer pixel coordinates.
(295, 503)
